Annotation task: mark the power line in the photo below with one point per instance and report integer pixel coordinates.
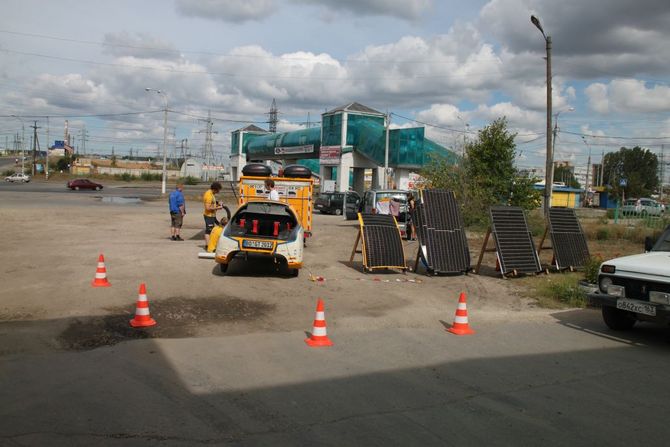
(239, 56)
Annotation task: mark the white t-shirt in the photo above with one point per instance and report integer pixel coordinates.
(274, 195)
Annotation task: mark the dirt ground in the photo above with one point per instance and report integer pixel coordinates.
(52, 242)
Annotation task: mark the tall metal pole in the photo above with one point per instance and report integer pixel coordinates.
(46, 164)
(386, 151)
(164, 181)
(164, 176)
(549, 168)
(588, 169)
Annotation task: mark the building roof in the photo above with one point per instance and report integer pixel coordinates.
(252, 128)
(355, 107)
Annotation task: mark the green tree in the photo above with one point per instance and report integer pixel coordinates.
(566, 175)
(637, 166)
(487, 176)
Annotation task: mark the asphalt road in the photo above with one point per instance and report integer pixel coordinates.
(227, 364)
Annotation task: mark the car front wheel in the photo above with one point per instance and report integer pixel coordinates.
(338, 212)
(617, 319)
(98, 188)
(76, 188)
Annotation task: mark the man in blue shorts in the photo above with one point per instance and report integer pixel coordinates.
(177, 211)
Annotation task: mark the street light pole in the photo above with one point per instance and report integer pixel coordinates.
(386, 152)
(588, 168)
(164, 179)
(549, 171)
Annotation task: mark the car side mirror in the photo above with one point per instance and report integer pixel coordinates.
(648, 243)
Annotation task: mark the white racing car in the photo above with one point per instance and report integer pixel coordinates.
(262, 228)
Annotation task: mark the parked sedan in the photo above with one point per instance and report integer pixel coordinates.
(18, 177)
(83, 183)
(642, 207)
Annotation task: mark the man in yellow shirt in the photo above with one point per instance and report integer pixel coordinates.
(211, 207)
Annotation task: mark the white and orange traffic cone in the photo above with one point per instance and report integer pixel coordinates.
(100, 279)
(319, 337)
(460, 326)
(142, 316)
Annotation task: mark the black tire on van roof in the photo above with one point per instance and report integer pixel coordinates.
(257, 170)
(297, 171)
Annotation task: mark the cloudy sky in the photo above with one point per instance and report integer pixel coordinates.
(453, 65)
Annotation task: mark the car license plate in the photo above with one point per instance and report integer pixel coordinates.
(636, 306)
(263, 245)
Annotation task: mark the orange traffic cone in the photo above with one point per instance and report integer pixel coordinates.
(460, 326)
(100, 279)
(319, 337)
(142, 315)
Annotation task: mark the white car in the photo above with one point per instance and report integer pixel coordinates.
(636, 288)
(18, 177)
(262, 228)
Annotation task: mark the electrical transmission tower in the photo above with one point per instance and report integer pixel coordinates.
(273, 116)
(208, 151)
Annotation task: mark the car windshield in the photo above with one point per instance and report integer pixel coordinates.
(400, 197)
(663, 242)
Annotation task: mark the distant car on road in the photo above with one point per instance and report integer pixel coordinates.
(18, 177)
(642, 207)
(83, 183)
(333, 203)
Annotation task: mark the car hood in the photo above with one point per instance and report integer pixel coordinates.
(652, 263)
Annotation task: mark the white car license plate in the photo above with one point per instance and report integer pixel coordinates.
(636, 306)
(263, 245)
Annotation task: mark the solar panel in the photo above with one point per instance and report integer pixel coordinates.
(567, 238)
(514, 242)
(440, 232)
(382, 245)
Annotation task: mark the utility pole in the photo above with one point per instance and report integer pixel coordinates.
(662, 172)
(549, 167)
(34, 126)
(46, 164)
(386, 151)
(588, 169)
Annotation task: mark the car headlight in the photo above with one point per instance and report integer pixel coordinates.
(604, 283)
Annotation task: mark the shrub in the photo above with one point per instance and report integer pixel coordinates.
(190, 180)
(126, 176)
(148, 176)
(592, 268)
(8, 172)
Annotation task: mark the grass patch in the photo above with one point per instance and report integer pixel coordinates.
(557, 290)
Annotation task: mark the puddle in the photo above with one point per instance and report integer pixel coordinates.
(176, 317)
(121, 200)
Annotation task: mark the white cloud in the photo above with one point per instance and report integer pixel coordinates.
(598, 97)
(516, 116)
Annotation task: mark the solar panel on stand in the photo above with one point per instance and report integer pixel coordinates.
(419, 221)
(514, 242)
(440, 232)
(567, 238)
(382, 245)
(444, 236)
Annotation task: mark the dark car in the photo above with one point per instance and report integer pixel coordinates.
(333, 203)
(83, 183)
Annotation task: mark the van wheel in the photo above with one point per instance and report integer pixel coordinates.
(617, 319)
(223, 268)
(338, 212)
(294, 272)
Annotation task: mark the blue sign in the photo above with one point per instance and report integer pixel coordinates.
(623, 182)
